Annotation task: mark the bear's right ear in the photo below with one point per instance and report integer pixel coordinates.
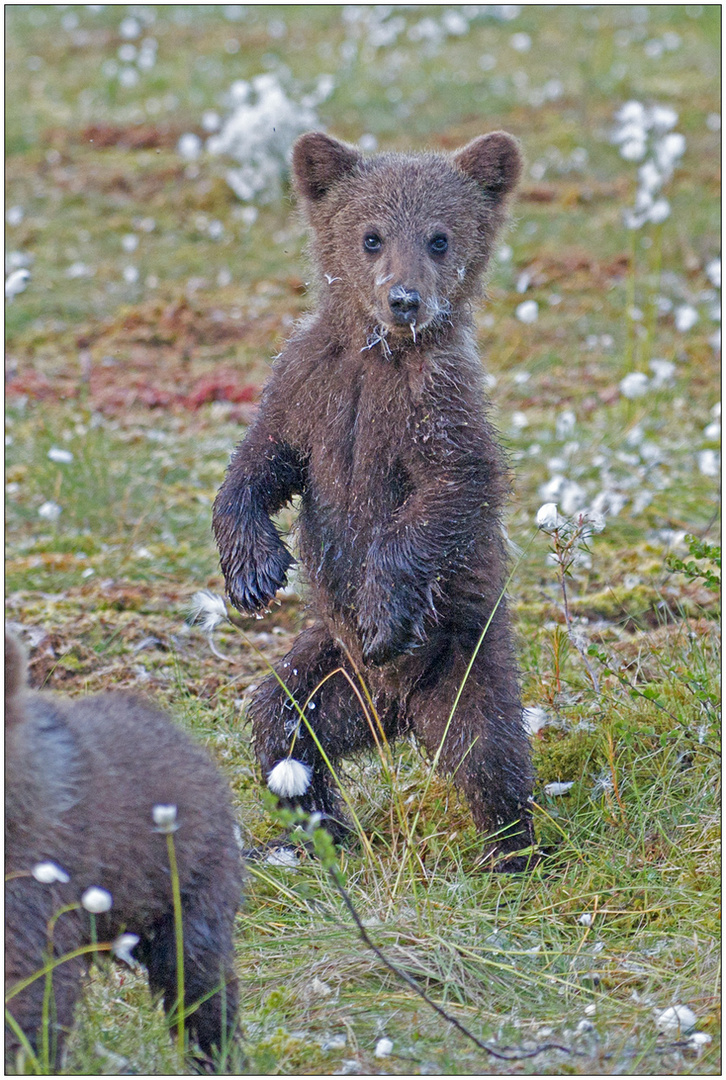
(16, 665)
(494, 161)
(319, 162)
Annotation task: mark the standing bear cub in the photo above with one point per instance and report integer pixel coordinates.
(375, 416)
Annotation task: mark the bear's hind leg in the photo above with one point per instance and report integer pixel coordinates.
(334, 713)
(486, 748)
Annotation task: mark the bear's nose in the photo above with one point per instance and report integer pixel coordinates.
(404, 304)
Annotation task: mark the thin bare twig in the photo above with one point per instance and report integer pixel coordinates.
(518, 1055)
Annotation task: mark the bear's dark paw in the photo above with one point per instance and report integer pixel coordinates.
(391, 618)
(252, 587)
(384, 642)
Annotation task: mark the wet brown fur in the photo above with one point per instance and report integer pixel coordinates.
(381, 428)
(81, 779)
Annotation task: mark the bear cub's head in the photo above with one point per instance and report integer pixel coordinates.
(401, 240)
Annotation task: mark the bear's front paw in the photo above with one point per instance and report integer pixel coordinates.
(253, 581)
(389, 627)
(383, 646)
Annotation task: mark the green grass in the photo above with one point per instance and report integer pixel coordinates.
(108, 368)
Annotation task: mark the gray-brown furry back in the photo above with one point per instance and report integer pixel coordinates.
(81, 780)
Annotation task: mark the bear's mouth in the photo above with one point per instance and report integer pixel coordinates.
(409, 322)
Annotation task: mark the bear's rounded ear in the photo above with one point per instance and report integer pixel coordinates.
(319, 162)
(494, 161)
(16, 664)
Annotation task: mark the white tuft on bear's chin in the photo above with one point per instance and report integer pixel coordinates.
(289, 778)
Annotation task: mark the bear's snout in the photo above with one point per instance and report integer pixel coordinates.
(404, 304)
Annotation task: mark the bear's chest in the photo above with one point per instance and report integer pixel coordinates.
(365, 445)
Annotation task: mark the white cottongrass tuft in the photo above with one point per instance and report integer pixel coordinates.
(96, 900)
(527, 311)
(634, 385)
(50, 511)
(164, 815)
(663, 371)
(282, 856)
(289, 778)
(713, 272)
(678, 1019)
(318, 988)
(659, 211)
(592, 521)
(568, 494)
(565, 423)
(210, 120)
(189, 146)
(16, 283)
(558, 788)
(535, 718)
(260, 130)
(47, 873)
(130, 27)
(685, 317)
(334, 1042)
(709, 462)
(122, 946)
(547, 517)
(699, 1039)
(209, 608)
(384, 1047)
(62, 457)
(645, 133)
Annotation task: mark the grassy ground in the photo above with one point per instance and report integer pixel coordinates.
(143, 358)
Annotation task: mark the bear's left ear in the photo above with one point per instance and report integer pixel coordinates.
(494, 161)
(319, 162)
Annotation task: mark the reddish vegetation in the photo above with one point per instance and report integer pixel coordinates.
(157, 355)
(119, 388)
(219, 387)
(134, 137)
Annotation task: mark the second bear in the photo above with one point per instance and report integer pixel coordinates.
(375, 416)
(82, 781)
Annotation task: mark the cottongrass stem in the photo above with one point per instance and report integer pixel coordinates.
(163, 813)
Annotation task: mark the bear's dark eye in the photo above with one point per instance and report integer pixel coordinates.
(372, 242)
(438, 244)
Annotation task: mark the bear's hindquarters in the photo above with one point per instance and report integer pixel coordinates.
(210, 984)
(44, 1009)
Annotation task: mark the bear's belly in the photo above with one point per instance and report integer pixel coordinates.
(334, 542)
(356, 480)
(340, 516)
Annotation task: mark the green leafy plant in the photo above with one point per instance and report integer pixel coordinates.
(699, 566)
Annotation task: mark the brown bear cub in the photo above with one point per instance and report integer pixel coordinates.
(375, 415)
(82, 781)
